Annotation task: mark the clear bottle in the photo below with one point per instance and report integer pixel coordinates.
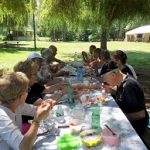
(59, 111)
(75, 57)
(60, 114)
(70, 96)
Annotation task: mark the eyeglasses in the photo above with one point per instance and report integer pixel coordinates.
(29, 89)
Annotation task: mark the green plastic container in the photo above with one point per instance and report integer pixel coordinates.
(68, 142)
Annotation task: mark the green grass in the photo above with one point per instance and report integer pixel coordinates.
(138, 52)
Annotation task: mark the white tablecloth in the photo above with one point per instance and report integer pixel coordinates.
(110, 114)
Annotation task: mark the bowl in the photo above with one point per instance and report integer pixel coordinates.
(75, 129)
(68, 142)
(75, 121)
(110, 139)
(91, 137)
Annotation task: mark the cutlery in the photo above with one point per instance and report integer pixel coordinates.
(113, 133)
(44, 133)
(63, 126)
(60, 102)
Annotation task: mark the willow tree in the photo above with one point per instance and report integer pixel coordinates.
(114, 10)
(100, 13)
(50, 22)
(14, 13)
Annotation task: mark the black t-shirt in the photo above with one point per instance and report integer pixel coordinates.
(126, 70)
(129, 96)
(34, 94)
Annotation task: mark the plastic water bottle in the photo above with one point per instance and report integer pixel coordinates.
(96, 117)
(75, 57)
(70, 96)
(79, 72)
(60, 114)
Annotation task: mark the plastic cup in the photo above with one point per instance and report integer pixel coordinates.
(108, 138)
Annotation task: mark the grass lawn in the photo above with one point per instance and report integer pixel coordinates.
(138, 52)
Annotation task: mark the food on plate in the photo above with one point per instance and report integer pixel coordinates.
(101, 99)
(79, 86)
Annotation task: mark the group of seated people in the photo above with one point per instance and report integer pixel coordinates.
(22, 92)
(98, 57)
(120, 79)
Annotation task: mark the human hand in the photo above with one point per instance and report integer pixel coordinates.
(50, 88)
(109, 88)
(43, 109)
(96, 86)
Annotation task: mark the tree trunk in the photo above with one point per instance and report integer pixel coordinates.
(34, 31)
(104, 32)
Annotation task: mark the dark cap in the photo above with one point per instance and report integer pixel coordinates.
(107, 67)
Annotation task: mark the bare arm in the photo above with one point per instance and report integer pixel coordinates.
(30, 137)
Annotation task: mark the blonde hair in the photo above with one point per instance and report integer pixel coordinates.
(27, 67)
(12, 86)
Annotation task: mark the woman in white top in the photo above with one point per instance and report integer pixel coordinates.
(13, 93)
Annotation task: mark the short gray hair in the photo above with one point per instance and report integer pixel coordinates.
(12, 86)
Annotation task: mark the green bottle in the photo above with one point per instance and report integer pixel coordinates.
(95, 117)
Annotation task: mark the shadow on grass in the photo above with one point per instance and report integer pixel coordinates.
(15, 46)
(138, 59)
(11, 45)
(17, 49)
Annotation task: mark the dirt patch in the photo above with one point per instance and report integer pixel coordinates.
(144, 80)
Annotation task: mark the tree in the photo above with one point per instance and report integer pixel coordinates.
(14, 13)
(101, 13)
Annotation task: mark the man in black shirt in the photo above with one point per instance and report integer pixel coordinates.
(129, 95)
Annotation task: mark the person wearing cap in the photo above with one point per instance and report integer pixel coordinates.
(129, 95)
(120, 57)
(37, 58)
(44, 73)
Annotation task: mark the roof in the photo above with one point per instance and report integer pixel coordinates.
(139, 30)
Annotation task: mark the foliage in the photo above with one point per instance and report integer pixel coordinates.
(94, 13)
(14, 13)
(2, 37)
(69, 20)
